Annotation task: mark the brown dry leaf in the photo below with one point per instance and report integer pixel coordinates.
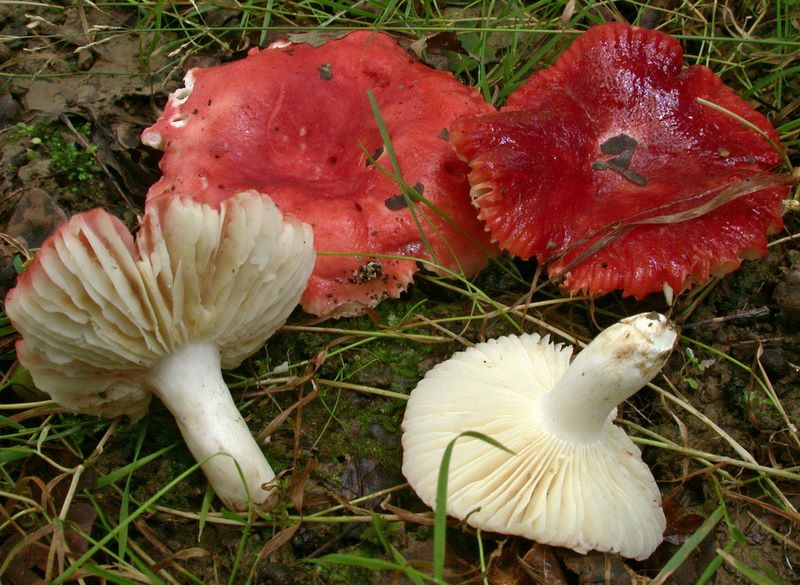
(505, 567)
(597, 567)
(407, 516)
(681, 526)
(315, 38)
(297, 484)
(277, 541)
(30, 555)
(28, 564)
(276, 423)
(181, 555)
(82, 516)
(543, 566)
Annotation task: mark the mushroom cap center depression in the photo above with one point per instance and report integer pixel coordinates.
(272, 145)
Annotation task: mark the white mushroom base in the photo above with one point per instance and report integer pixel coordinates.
(583, 494)
(189, 383)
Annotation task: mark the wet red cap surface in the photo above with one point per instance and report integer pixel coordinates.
(294, 121)
(607, 168)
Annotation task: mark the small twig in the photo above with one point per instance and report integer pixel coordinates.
(391, 333)
(361, 388)
(356, 501)
(784, 240)
(85, 143)
(27, 405)
(773, 396)
(16, 245)
(749, 314)
(774, 533)
(447, 332)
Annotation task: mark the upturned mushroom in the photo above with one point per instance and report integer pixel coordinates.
(619, 168)
(295, 121)
(107, 321)
(573, 478)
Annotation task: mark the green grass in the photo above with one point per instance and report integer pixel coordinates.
(154, 521)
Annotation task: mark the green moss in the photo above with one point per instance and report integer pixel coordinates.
(346, 574)
(74, 162)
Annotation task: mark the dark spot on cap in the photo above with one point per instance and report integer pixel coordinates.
(618, 144)
(635, 178)
(396, 202)
(444, 134)
(375, 155)
(620, 163)
(358, 207)
(623, 146)
(325, 72)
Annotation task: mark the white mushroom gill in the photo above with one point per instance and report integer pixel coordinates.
(107, 321)
(574, 478)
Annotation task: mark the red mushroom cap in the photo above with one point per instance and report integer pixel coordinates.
(613, 135)
(295, 121)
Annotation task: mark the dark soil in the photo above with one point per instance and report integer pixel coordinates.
(69, 141)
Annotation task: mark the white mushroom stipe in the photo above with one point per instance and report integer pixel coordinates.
(189, 383)
(574, 478)
(107, 321)
(611, 369)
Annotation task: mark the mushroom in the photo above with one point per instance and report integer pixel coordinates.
(619, 169)
(295, 121)
(107, 321)
(572, 478)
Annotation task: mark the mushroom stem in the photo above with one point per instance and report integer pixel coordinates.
(613, 367)
(189, 383)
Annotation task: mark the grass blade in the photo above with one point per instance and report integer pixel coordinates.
(440, 513)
